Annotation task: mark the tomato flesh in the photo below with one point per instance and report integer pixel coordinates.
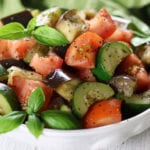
(16, 49)
(23, 88)
(82, 52)
(102, 24)
(47, 64)
(121, 35)
(133, 66)
(103, 113)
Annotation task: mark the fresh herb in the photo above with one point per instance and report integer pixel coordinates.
(14, 119)
(49, 36)
(35, 101)
(13, 31)
(11, 121)
(31, 25)
(139, 26)
(35, 125)
(58, 119)
(44, 34)
(137, 41)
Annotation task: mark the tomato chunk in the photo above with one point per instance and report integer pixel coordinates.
(133, 66)
(86, 75)
(103, 113)
(82, 52)
(121, 35)
(102, 24)
(16, 49)
(23, 88)
(47, 64)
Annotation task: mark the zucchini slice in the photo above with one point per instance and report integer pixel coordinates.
(108, 58)
(8, 100)
(3, 73)
(87, 93)
(137, 102)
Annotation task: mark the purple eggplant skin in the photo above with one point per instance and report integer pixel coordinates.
(56, 78)
(60, 50)
(124, 84)
(7, 63)
(22, 17)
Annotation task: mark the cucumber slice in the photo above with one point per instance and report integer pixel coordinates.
(8, 100)
(3, 73)
(87, 93)
(108, 58)
(137, 102)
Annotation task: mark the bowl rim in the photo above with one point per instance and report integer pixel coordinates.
(84, 132)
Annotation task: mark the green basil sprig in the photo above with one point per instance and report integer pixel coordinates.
(49, 36)
(58, 119)
(35, 125)
(13, 31)
(35, 101)
(43, 34)
(11, 121)
(31, 25)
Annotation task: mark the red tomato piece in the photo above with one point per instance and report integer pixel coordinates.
(102, 24)
(82, 52)
(23, 88)
(103, 113)
(86, 75)
(4, 53)
(16, 49)
(121, 35)
(47, 64)
(133, 66)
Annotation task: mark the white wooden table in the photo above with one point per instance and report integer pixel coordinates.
(139, 142)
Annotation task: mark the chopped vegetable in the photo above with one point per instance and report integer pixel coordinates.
(73, 69)
(103, 113)
(108, 58)
(82, 52)
(88, 93)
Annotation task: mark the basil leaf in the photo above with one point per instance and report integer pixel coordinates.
(133, 3)
(12, 31)
(138, 25)
(34, 125)
(49, 36)
(58, 119)
(31, 25)
(11, 121)
(36, 100)
(137, 41)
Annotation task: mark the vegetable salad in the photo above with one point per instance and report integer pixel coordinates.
(70, 69)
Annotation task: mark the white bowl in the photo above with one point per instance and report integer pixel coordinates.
(85, 139)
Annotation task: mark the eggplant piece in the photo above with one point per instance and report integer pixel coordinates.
(49, 17)
(60, 50)
(87, 14)
(124, 84)
(143, 52)
(15, 71)
(63, 83)
(71, 25)
(22, 17)
(7, 63)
